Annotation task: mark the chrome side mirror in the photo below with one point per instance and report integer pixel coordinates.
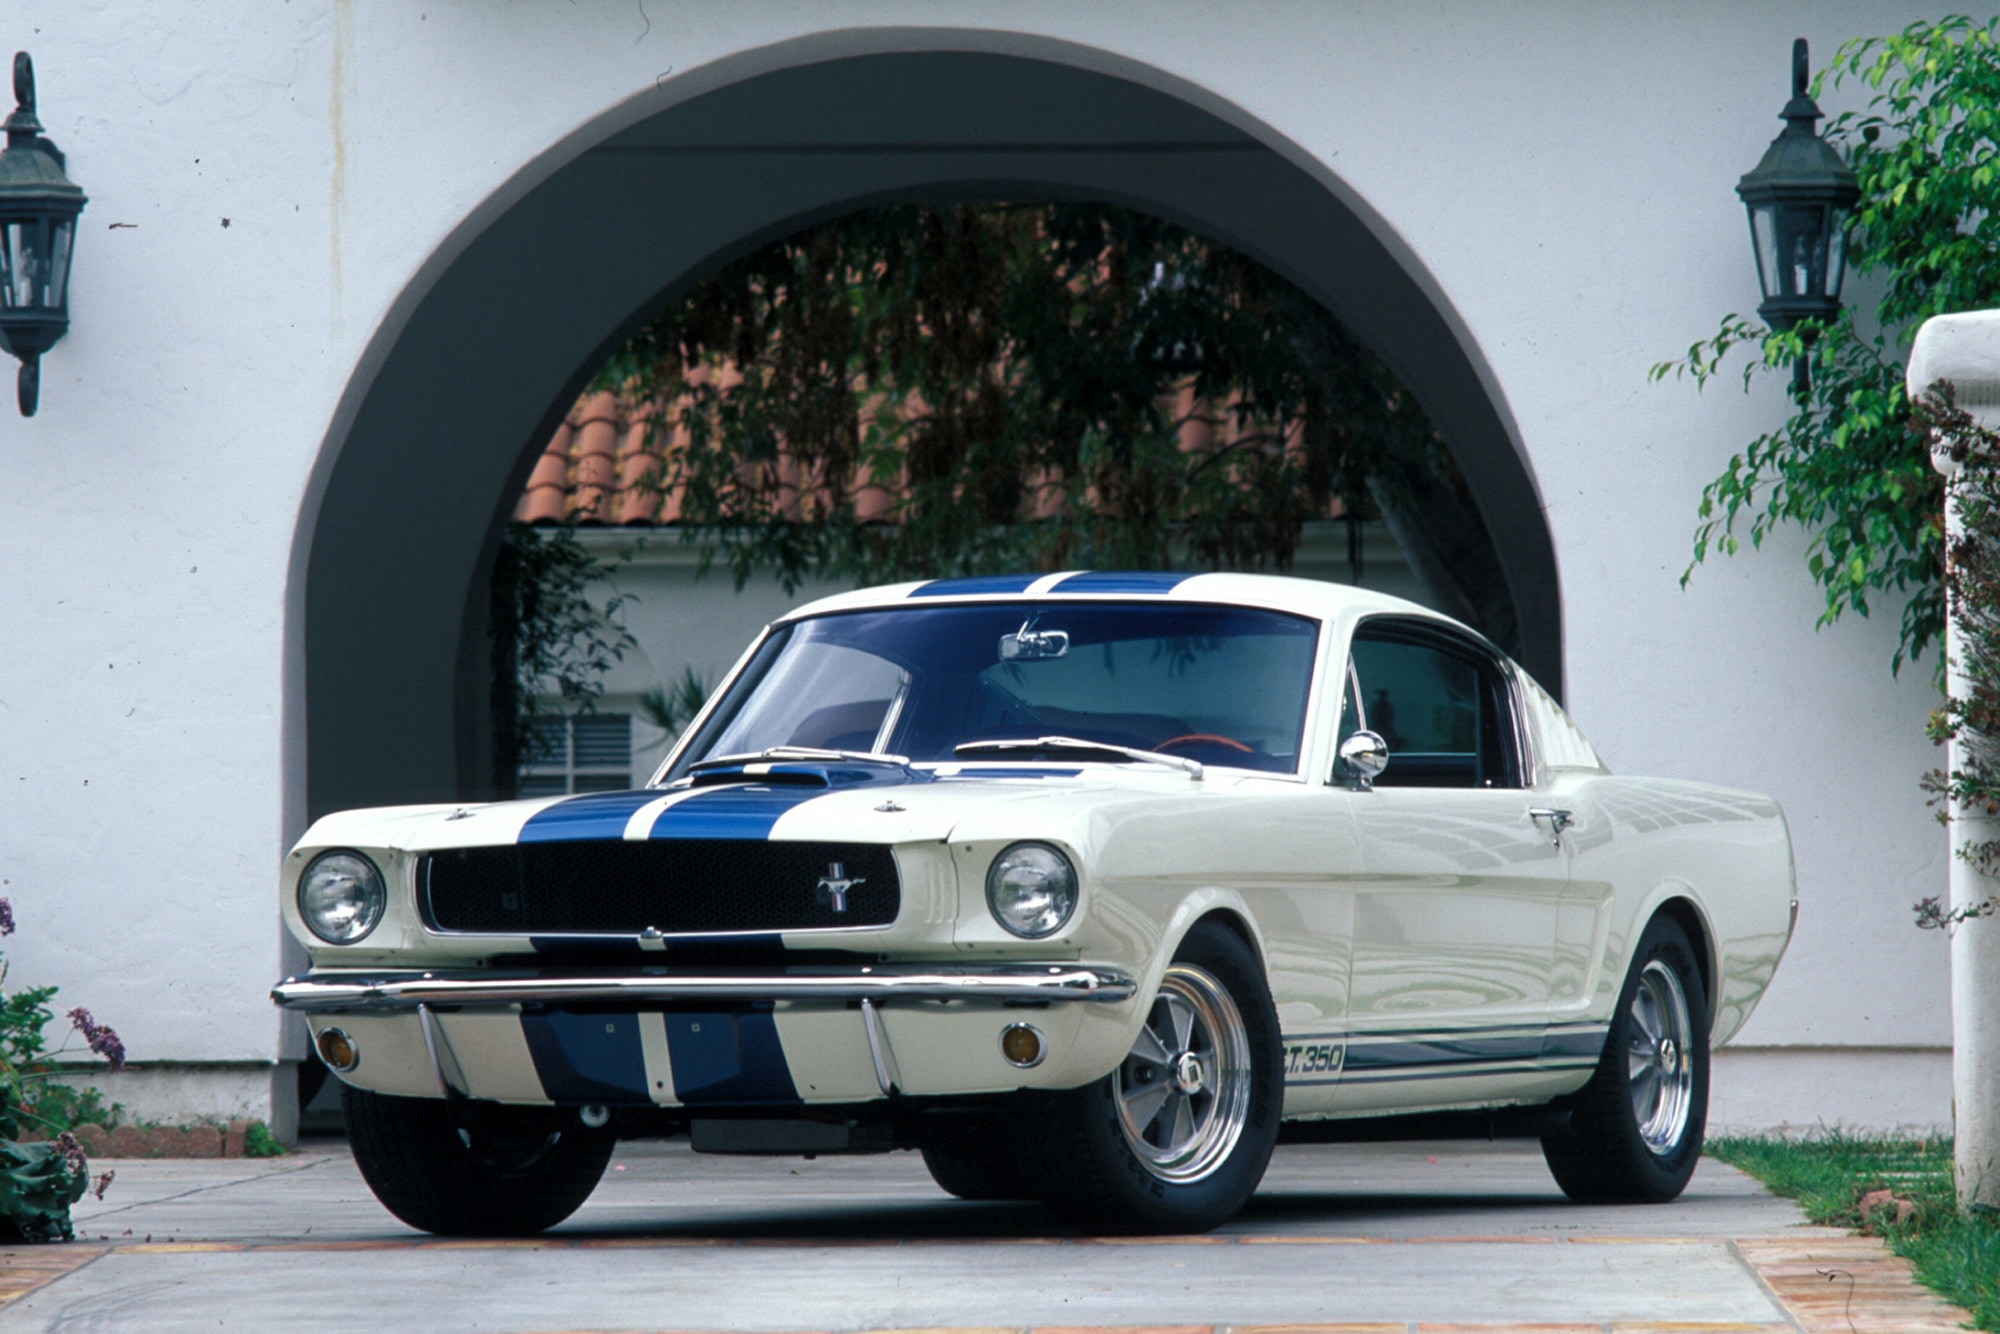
(1366, 755)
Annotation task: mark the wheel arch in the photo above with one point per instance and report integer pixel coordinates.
(1685, 913)
(1232, 920)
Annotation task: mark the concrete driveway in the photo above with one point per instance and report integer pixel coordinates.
(1381, 1238)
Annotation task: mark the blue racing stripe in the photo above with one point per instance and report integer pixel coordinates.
(584, 1058)
(730, 1058)
(1122, 581)
(1010, 773)
(598, 815)
(731, 812)
(974, 585)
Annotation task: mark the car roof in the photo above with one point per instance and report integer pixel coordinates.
(1305, 597)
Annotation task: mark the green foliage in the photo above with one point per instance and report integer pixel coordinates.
(672, 708)
(259, 1142)
(1957, 1256)
(1848, 466)
(39, 1182)
(30, 1083)
(549, 637)
(914, 391)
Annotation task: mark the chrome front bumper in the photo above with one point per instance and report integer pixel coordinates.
(326, 991)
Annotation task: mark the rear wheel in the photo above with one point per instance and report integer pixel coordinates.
(1637, 1127)
(473, 1169)
(1177, 1137)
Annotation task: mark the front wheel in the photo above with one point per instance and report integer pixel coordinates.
(1178, 1136)
(1637, 1126)
(473, 1169)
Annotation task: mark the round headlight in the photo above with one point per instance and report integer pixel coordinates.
(1031, 889)
(341, 896)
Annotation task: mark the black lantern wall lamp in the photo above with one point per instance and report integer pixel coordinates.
(38, 208)
(1799, 198)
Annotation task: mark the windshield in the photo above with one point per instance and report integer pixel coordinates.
(1221, 685)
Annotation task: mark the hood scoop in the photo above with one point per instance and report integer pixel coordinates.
(801, 773)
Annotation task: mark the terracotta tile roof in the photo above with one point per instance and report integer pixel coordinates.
(602, 466)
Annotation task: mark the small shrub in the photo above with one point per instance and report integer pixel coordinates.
(40, 1181)
(259, 1142)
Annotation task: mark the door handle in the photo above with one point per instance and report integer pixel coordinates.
(1559, 820)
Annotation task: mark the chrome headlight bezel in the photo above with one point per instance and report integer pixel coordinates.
(1032, 889)
(322, 899)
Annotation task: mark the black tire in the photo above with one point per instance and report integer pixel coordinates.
(1631, 1141)
(1102, 1176)
(473, 1169)
(974, 1160)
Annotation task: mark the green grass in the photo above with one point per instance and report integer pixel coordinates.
(1955, 1256)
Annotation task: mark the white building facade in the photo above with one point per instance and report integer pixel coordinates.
(344, 268)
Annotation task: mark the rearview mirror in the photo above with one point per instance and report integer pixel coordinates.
(1366, 755)
(1033, 645)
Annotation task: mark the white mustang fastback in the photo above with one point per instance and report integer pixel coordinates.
(1078, 883)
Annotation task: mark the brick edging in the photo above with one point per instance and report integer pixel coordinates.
(224, 1141)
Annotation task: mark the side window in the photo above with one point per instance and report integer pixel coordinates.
(1443, 708)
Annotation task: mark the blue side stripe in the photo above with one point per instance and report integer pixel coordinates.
(1122, 581)
(583, 1058)
(596, 815)
(1363, 1054)
(730, 1058)
(974, 585)
(731, 812)
(1586, 1041)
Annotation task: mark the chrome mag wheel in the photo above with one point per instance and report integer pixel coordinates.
(1183, 1094)
(1659, 1067)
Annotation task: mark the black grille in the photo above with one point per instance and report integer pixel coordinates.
(675, 885)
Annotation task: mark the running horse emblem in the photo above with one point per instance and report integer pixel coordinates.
(833, 886)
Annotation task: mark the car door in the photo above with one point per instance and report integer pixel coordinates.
(1456, 911)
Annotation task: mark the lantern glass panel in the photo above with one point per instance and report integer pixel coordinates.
(34, 263)
(1797, 234)
(1836, 257)
(1764, 243)
(62, 238)
(25, 265)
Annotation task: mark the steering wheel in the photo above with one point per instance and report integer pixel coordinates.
(1204, 738)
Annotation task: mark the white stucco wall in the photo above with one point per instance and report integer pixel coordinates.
(1563, 170)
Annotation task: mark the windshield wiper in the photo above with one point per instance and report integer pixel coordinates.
(1069, 745)
(800, 753)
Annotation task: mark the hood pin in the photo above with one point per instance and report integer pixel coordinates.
(890, 807)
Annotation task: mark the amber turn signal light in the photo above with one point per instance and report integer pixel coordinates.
(1022, 1045)
(338, 1050)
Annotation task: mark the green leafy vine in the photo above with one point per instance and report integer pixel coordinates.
(1849, 466)
(1970, 714)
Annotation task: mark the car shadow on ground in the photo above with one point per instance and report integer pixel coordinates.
(855, 1223)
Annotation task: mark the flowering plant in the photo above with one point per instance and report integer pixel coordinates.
(40, 1181)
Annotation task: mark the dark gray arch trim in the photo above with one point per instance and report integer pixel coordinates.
(480, 355)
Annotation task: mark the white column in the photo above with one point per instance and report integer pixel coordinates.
(1964, 350)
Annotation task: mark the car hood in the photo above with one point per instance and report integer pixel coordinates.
(833, 803)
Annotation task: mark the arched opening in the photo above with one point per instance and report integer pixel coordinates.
(490, 345)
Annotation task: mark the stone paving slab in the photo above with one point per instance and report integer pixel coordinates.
(1445, 1237)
